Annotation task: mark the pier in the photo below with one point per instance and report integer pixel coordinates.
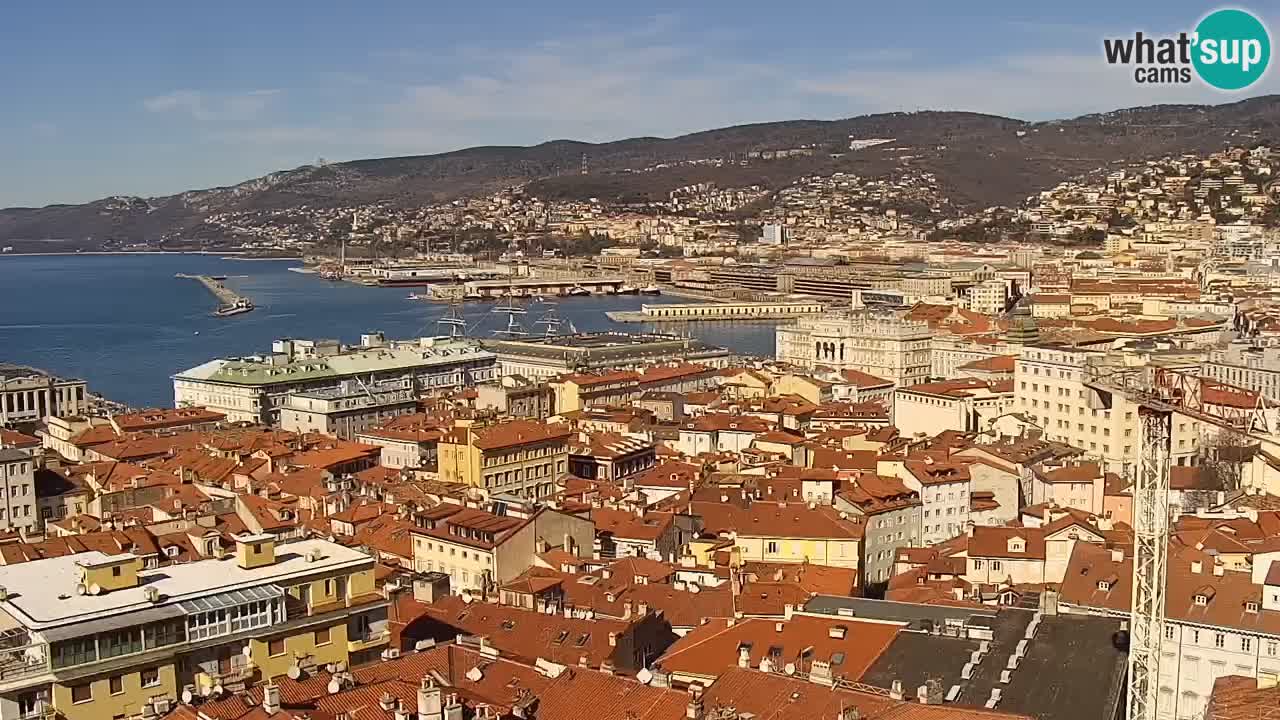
(229, 301)
(527, 287)
(700, 312)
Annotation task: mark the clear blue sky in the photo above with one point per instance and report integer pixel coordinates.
(147, 98)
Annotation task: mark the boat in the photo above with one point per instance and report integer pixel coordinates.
(238, 307)
(625, 289)
(579, 291)
(416, 296)
(650, 290)
(472, 295)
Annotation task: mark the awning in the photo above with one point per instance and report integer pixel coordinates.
(231, 599)
(115, 622)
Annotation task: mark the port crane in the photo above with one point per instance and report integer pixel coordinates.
(1159, 393)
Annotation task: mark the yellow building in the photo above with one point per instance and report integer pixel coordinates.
(520, 457)
(96, 636)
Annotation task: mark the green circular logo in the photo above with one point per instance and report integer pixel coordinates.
(1232, 49)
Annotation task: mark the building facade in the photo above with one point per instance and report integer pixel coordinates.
(882, 344)
(29, 395)
(520, 457)
(93, 636)
(255, 389)
(349, 409)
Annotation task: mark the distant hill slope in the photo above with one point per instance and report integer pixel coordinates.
(980, 160)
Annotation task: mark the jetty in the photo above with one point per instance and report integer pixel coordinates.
(702, 312)
(229, 301)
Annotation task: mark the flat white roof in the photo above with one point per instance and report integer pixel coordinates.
(42, 593)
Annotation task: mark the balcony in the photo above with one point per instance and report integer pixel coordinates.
(20, 658)
(366, 640)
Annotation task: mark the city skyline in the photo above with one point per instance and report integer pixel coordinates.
(138, 104)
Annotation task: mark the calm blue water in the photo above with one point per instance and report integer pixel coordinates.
(126, 324)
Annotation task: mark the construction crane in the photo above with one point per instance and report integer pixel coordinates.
(1159, 393)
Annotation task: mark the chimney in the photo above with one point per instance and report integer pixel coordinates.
(402, 712)
(1117, 555)
(1196, 567)
(270, 698)
(1218, 570)
(744, 657)
(644, 608)
(387, 702)
(693, 711)
(429, 700)
(787, 611)
(895, 690)
(613, 639)
(626, 610)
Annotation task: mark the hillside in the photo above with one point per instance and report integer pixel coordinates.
(980, 160)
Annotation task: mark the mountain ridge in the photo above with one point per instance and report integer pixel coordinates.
(980, 158)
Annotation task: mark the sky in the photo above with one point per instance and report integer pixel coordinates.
(152, 98)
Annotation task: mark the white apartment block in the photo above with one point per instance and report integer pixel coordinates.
(966, 405)
(18, 506)
(989, 296)
(1049, 385)
(884, 345)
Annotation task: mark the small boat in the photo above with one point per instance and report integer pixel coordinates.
(196, 332)
(650, 290)
(473, 295)
(416, 296)
(237, 308)
(579, 291)
(627, 289)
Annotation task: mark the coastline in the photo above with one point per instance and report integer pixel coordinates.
(225, 255)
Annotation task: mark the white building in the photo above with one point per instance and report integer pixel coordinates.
(989, 297)
(255, 389)
(30, 395)
(883, 344)
(349, 409)
(1050, 386)
(967, 405)
(18, 506)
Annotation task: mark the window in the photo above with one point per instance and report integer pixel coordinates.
(275, 647)
(995, 565)
(1219, 640)
(1168, 632)
(116, 684)
(150, 677)
(1202, 599)
(322, 636)
(977, 564)
(771, 546)
(81, 693)
(120, 642)
(328, 587)
(76, 651)
(1273, 648)
(1246, 644)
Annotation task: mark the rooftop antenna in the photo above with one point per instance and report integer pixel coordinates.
(584, 163)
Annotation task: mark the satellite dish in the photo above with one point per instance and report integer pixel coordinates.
(789, 669)
(81, 589)
(295, 672)
(475, 675)
(334, 687)
(95, 589)
(247, 651)
(644, 676)
(187, 696)
(217, 690)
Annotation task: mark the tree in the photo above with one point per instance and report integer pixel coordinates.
(1222, 460)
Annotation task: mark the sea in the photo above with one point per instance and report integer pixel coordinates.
(126, 325)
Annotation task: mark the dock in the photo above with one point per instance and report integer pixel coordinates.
(229, 301)
(702, 312)
(528, 287)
